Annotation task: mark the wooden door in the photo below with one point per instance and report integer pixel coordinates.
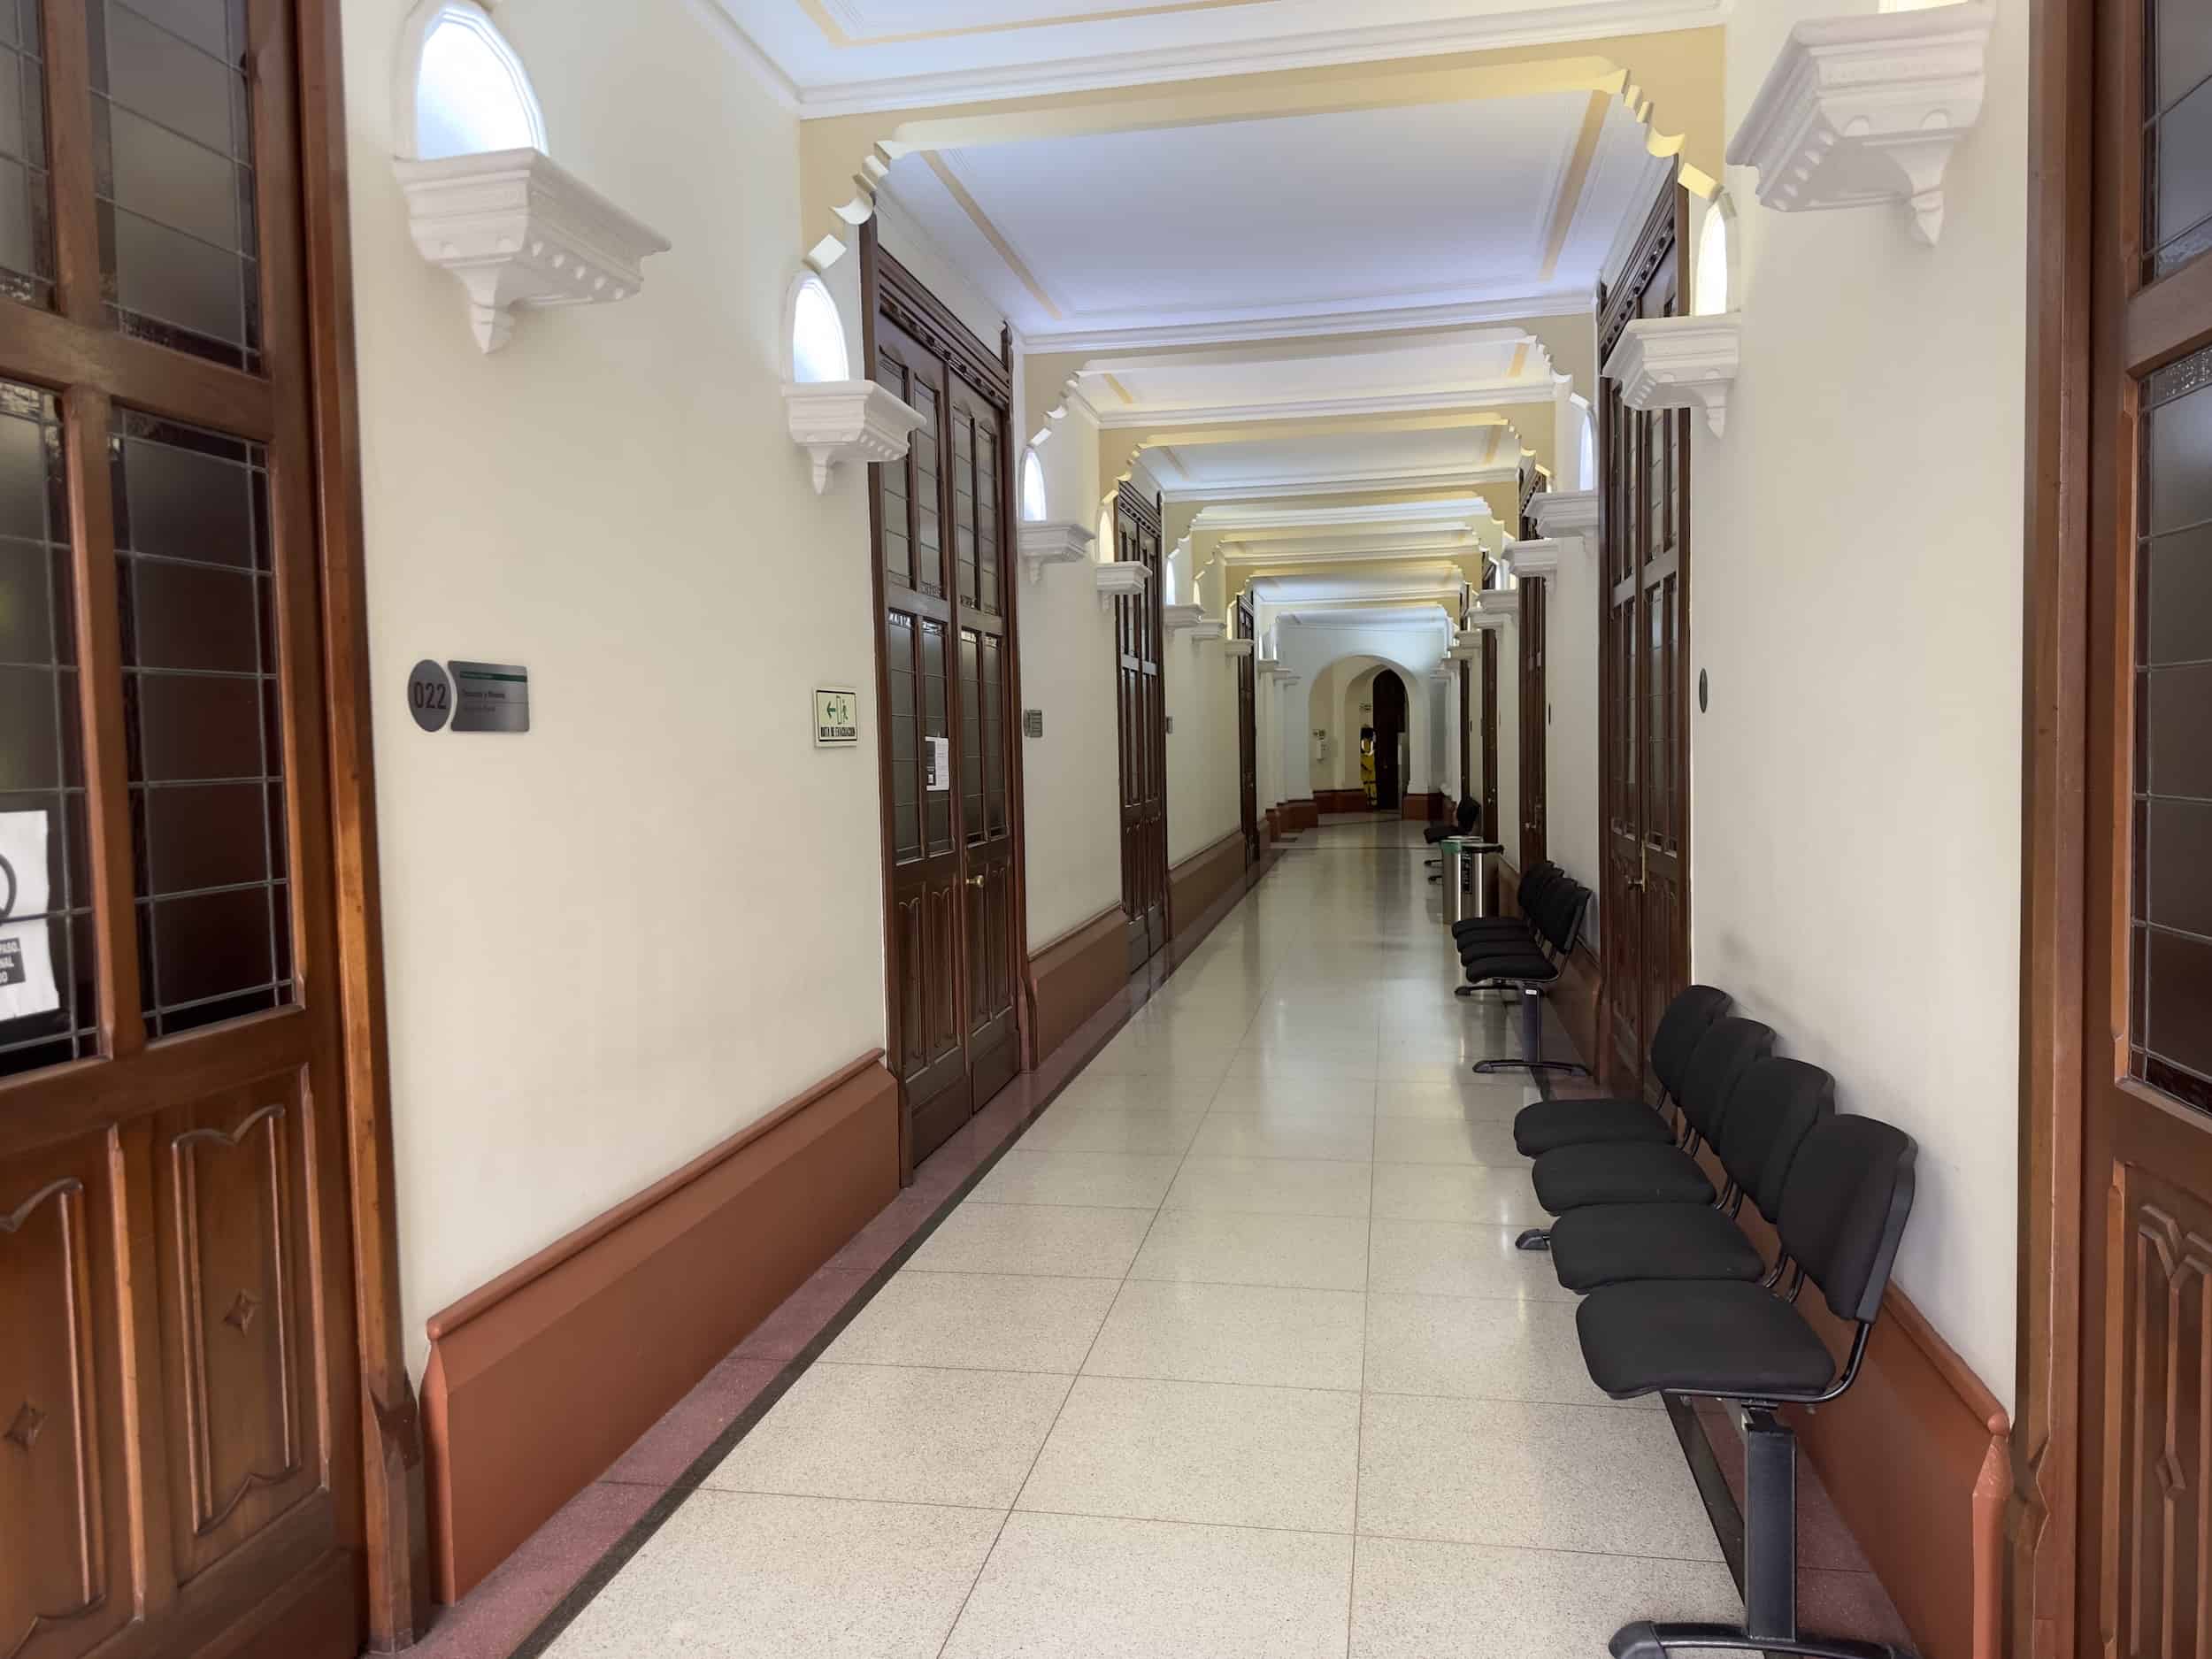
(1247, 736)
(1492, 830)
(1390, 729)
(178, 1380)
(1143, 730)
(1467, 736)
(2145, 1518)
(947, 690)
(1535, 715)
(1645, 464)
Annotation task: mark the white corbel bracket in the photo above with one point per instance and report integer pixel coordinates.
(1567, 515)
(1497, 601)
(1214, 628)
(518, 229)
(1124, 579)
(1043, 544)
(848, 420)
(1237, 647)
(1533, 558)
(1679, 363)
(1868, 109)
(1181, 618)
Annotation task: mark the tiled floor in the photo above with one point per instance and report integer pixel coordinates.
(1229, 1355)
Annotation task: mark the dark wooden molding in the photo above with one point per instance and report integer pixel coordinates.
(1424, 809)
(1196, 883)
(907, 301)
(1340, 801)
(2042, 1555)
(540, 1379)
(1075, 976)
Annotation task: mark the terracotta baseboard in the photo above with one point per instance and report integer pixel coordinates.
(1204, 877)
(542, 1378)
(1300, 815)
(1340, 801)
(1917, 1457)
(1423, 809)
(1076, 973)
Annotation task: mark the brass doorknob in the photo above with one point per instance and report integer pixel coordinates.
(975, 881)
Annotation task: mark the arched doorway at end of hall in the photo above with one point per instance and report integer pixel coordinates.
(1390, 746)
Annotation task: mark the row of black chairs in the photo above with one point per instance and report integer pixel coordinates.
(1677, 1298)
(1526, 955)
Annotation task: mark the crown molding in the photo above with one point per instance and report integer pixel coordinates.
(1184, 60)
(1562, 514)
(1679, 363)
(519, 230)
(1347, 317)
(1043, 544)
(1868, 109)
(1344, 484)
(1457, 513)
(1505, 394)
(848, 420)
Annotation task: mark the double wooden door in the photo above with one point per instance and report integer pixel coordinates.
(1390, 730)
(179, 1411)
(2145, 1523)
(941, 520)
(1535, 715)
(1142, 724)
(1247, 736)
(1645, 914)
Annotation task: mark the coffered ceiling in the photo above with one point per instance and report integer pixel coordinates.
(1353, 219)
(841, 56)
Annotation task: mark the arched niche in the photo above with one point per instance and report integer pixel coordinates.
(461, 89)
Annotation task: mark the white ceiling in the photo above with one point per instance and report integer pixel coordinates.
(840, 55)
(1431, 373)
(1291, 219)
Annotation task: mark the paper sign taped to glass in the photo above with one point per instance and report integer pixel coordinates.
(26, 956)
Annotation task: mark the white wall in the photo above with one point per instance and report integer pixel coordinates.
(605, 951)
(1203, 753)
(1571, 805)
(1855, 597)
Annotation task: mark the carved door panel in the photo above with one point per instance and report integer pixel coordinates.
(2145, 1494)
(179, 1411)
(1645, 912)
(1143, 730)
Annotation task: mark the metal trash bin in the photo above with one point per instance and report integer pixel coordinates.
(1454, 850)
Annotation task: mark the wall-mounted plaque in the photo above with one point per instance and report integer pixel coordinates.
(430, 695)
(490, 697)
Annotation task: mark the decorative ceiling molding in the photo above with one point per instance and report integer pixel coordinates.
(1349, 317)
(1679, 363)
(1275, 487)
(964, 200)
(1465, 398)
(1458, 512)
(1183, 61)
(1574, 185)
(1868, 109)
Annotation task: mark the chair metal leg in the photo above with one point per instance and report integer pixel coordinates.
(1537, 1238)
(1532, 1041)
(1770, 1569)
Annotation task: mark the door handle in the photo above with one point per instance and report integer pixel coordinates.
(975, 881)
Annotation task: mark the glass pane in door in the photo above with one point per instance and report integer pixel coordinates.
(48, 1012)
(194, 589)
(26, 233)
(2172, 957)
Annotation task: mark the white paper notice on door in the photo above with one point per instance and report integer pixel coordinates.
(27, 957)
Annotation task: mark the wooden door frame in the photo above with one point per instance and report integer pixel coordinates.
(1664, 235)
(394, 1527)
(937, 318)
(1151, 514)
(1535, 720)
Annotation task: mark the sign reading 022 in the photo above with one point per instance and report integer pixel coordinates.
(836, 718)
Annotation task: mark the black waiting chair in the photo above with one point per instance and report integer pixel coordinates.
(1842, 1211)
(1557, 908)
(1536, 880)
(1550, 1124)
(1775, 1105)
(1464, 821)
(1638, 1172)
(1531, 975)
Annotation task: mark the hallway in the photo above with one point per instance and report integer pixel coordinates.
(1229, 1355)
